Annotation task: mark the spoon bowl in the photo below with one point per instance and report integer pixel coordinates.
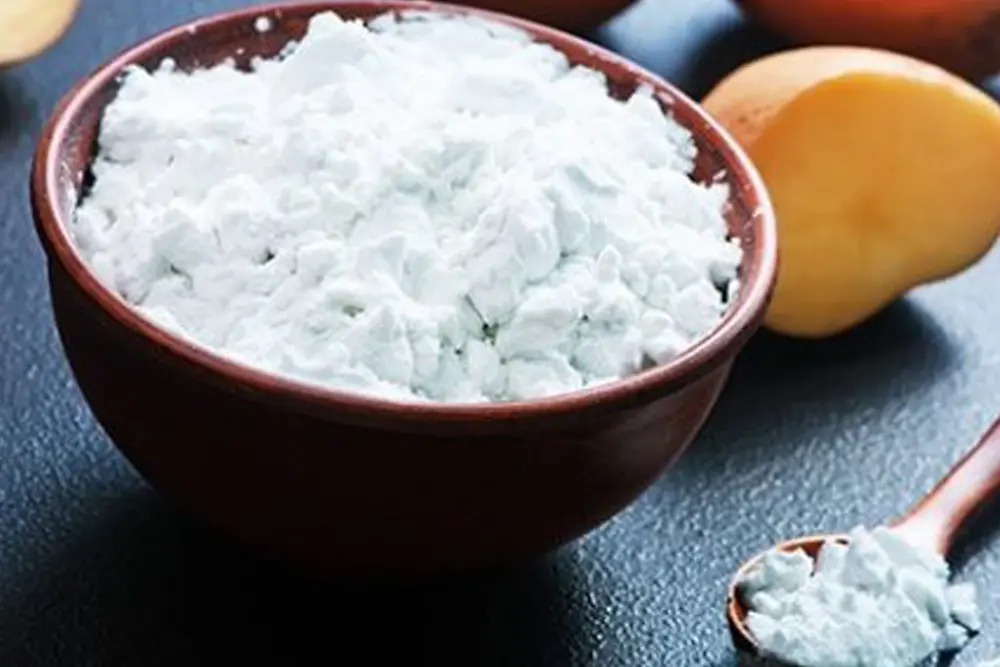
(933, 522)
(736, 610)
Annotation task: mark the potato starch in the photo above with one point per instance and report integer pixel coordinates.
(877, 602)
(430, 209)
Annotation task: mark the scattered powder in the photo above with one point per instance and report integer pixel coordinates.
(877, 602)
(429, 209)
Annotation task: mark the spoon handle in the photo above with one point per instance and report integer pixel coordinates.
(972, 481)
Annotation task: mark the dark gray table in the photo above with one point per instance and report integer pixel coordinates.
(96, 570)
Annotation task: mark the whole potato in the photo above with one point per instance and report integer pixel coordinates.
(572, 15)
(960, 35)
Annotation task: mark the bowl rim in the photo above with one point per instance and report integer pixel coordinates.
(736, 326)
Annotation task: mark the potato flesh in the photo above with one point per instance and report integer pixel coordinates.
(880, 183)
(28, 27)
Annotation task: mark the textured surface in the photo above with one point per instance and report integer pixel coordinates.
(95, 570)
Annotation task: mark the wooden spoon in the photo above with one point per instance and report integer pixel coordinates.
(28, 27)
(932, 522)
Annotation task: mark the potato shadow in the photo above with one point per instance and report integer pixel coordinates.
(145, 586)
(903, 337)
(16, 110)
(896, 353)
(992, 86)
(702, 47)
(722, 51)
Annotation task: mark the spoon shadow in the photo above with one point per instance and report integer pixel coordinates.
(976, 536)
(737, 659)
(183, 596)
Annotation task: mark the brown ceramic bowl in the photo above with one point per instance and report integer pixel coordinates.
(344, 483)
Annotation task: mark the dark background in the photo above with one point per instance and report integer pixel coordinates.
(96, 570)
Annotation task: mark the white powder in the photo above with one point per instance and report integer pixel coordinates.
(263, 24)
(877, 602)
(433, 209)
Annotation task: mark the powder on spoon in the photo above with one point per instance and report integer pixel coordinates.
(877, 601)
(427, 208)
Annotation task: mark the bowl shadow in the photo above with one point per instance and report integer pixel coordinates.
(148, 586)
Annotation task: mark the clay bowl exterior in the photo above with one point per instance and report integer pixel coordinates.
(578, 15)
(342, 483)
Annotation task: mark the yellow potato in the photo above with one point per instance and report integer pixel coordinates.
(28, 27)
(883, 170)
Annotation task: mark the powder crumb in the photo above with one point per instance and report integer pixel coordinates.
(263, 24)
(877, 601)
(434, 208)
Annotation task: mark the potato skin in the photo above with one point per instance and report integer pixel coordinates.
(962, 36)
(573, 15)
